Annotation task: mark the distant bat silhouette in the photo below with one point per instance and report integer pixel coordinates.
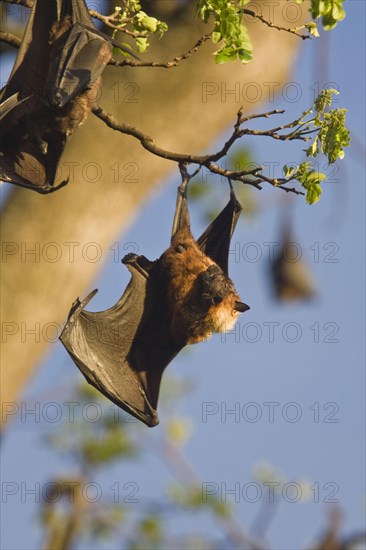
(181, 298)
(291, 277)
(50, 91)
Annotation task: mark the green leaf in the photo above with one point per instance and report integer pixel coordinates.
(216, 37)
(142, 44)
(288, 171)
(331, 12)
(313, 29)
(149, 23)
(312, 151)
(313, 194)
(117, 51)
(229, 29)
(225, 54)
(310, 179)
(334, 135)
(324, 99)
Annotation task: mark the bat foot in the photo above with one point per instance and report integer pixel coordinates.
(42, 145)
(129, 258)
(63, 183)
(57, 100)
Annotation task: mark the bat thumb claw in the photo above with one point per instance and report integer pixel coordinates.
(78, 306)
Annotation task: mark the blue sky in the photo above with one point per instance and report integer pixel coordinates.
(318, 379)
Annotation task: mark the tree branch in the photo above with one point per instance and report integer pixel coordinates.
(167, 64)
(206, 160)
(14, 41)
(108, 22)
(273, 26)
(209, 161)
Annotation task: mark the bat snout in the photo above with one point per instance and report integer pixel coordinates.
(241, 307)
(213, 285)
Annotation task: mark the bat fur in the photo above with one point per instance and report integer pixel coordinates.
(201, 299)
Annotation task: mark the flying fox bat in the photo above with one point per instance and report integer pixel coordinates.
(181, 298)
(50, 91)
(290, 275)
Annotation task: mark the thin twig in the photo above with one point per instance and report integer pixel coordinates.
(108, 22)
(273, 26)
(163, 64)
(208, 161)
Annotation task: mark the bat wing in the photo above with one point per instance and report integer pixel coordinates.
(78, 11)
(124, 350)
(42, 75)
(82, 57)
(24, 164)
(21, 162)
(215, 241)
(8, 106)
(31, 65)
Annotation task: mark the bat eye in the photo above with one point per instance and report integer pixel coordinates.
(180, 248)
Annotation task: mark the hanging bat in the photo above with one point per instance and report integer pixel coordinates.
(181, 298)
(50, 91)
(291, 278)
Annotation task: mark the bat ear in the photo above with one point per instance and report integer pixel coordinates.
(215, 241)
(241, 307)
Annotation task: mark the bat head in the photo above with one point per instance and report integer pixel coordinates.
(201, 297)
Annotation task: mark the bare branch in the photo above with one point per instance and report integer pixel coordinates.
(146, 141)
(109, 21)
(273, 26)
(208, 161)
(14, 41)
(167, 64)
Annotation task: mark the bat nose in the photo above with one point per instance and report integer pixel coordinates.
(239, 306)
